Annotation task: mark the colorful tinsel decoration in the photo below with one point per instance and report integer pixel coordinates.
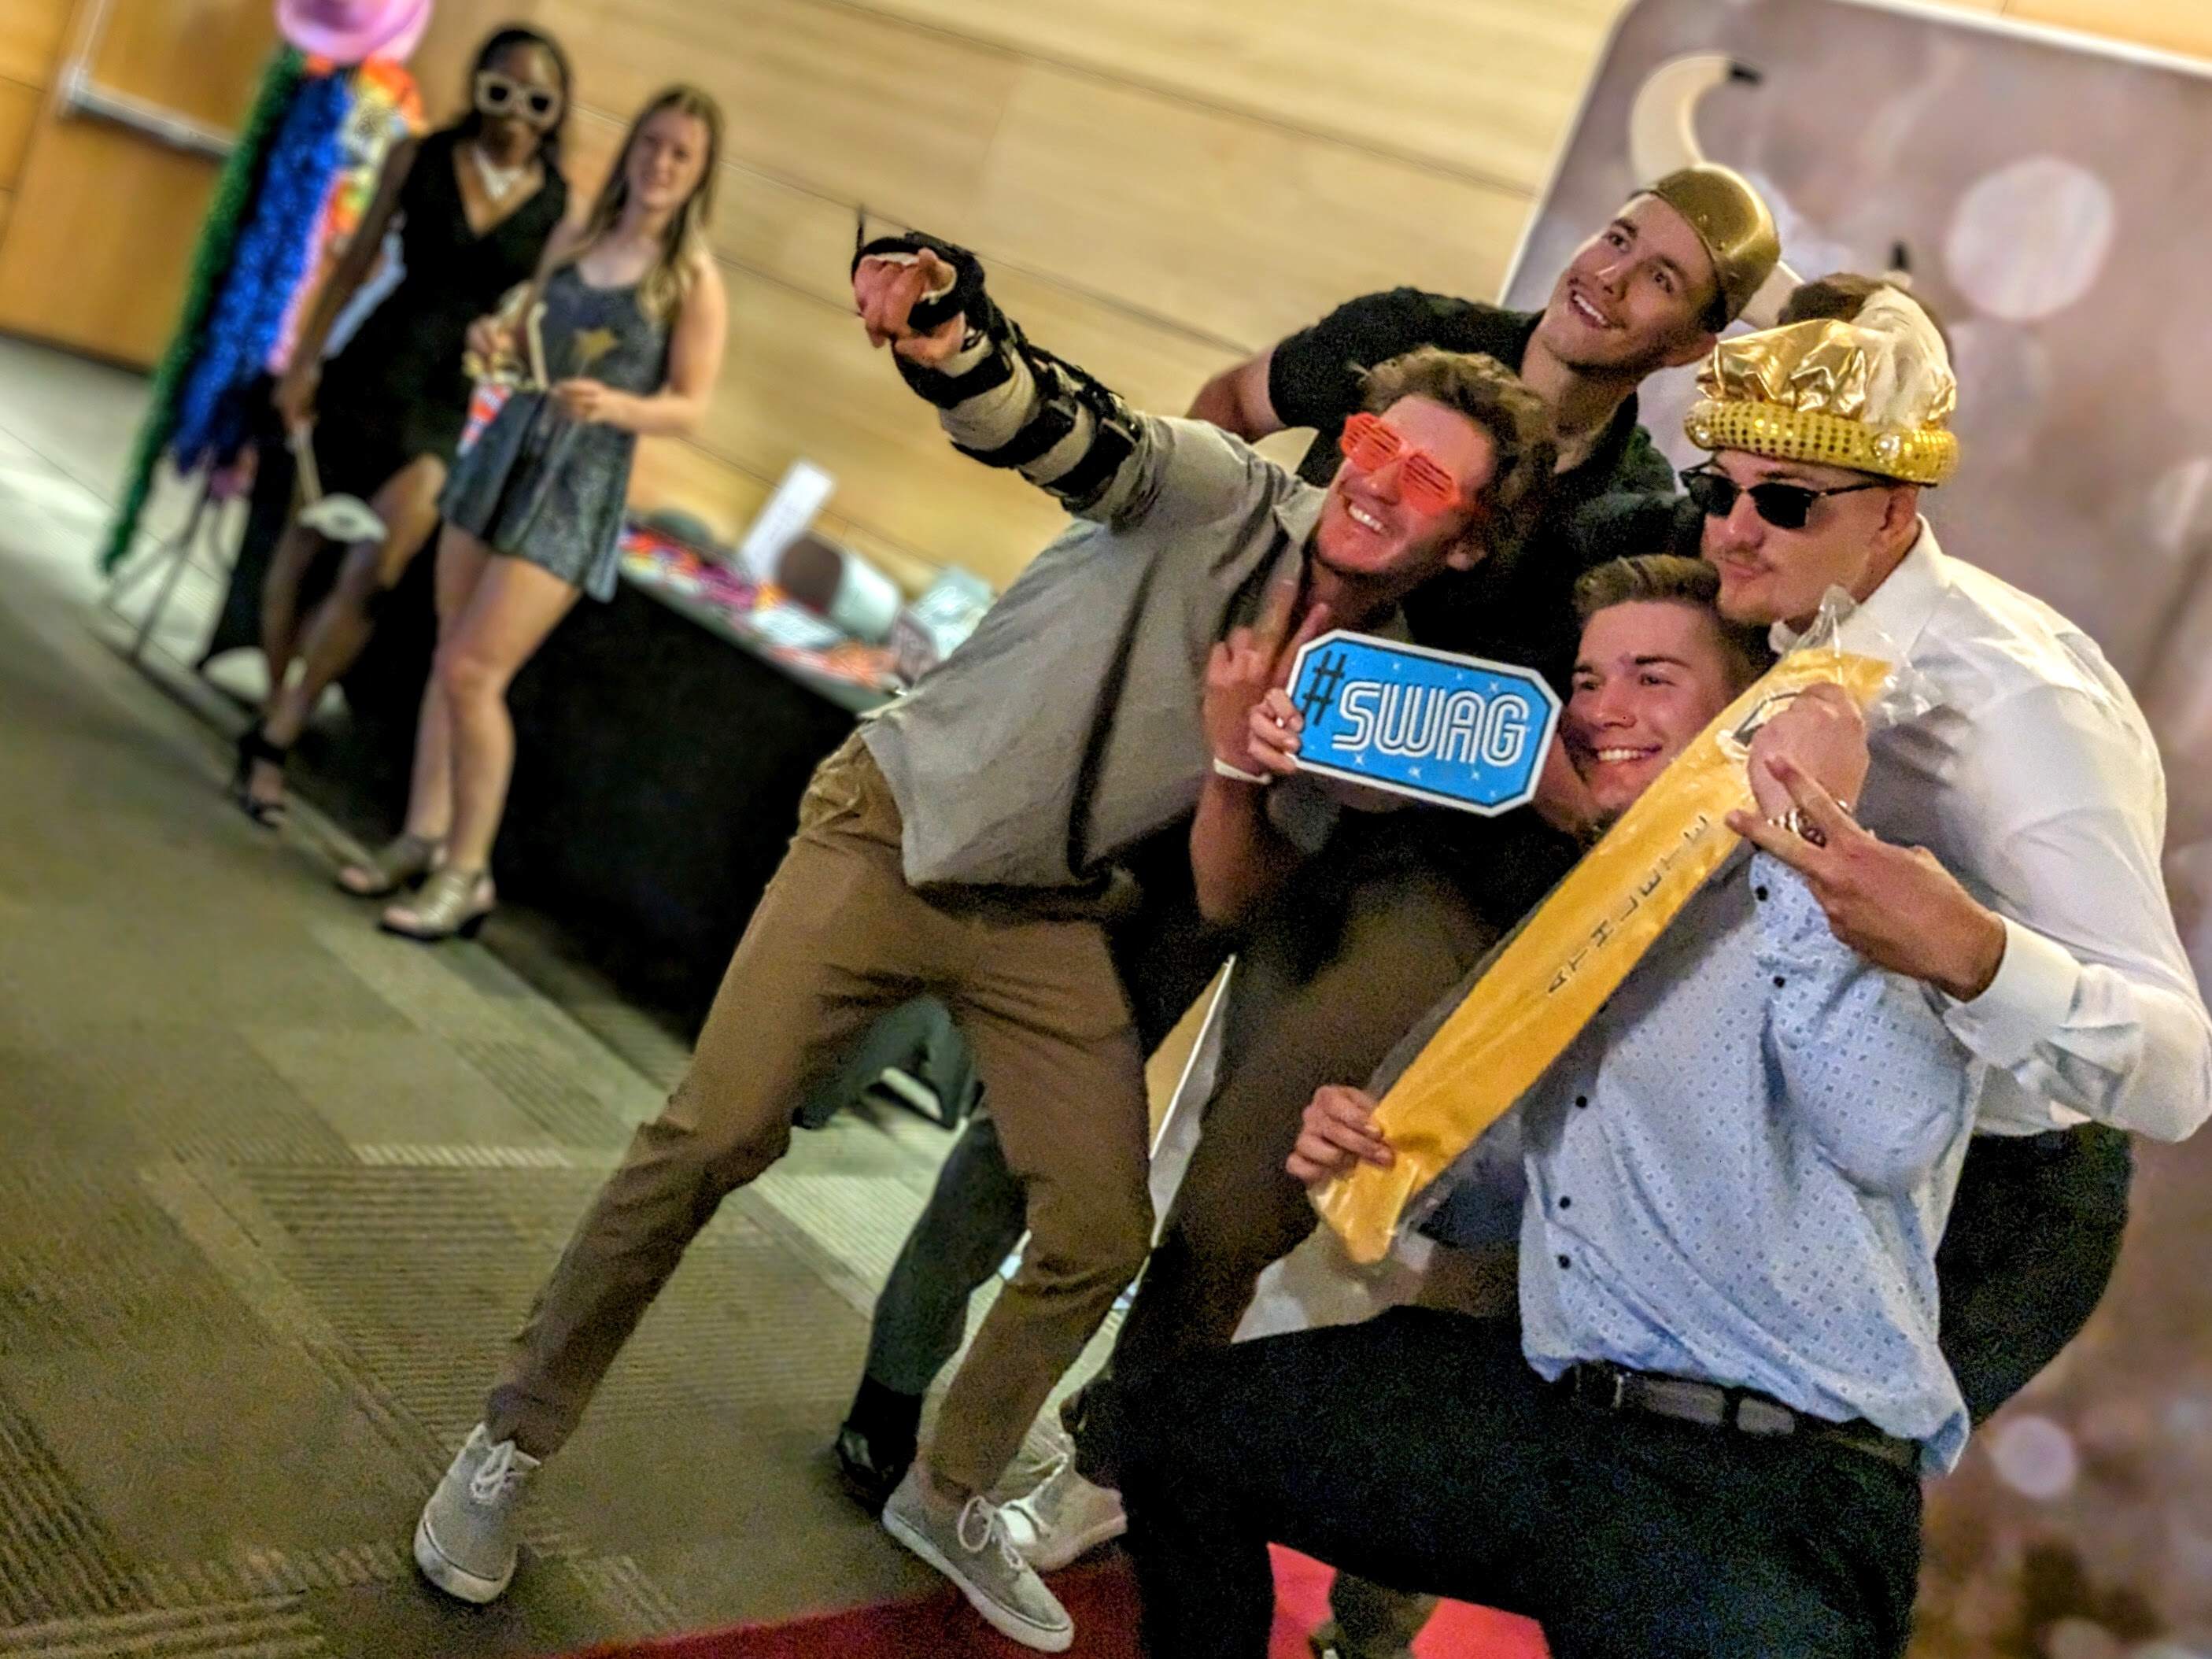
(234, 194)
(386, 106)
(265, 267)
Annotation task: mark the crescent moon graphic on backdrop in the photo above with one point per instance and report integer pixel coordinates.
(1663, 135)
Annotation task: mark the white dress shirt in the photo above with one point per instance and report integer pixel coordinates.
(2036, 781)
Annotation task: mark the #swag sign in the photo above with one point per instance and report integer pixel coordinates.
(1452, 731)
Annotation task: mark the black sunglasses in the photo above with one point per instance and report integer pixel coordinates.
(497, 94)
(1784, 506)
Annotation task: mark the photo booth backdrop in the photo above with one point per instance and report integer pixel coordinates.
(2049, 199)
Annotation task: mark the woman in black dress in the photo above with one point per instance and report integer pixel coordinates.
(477, 203)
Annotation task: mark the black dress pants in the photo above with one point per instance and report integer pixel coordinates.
(2033, 1235)
(1420, 1450)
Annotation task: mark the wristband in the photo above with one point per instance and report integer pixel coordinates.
(966, 294)
(1221, 768)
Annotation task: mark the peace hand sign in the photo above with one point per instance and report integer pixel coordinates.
(1896, 906)
(1244, 680)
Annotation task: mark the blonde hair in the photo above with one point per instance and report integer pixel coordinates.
(684, 247)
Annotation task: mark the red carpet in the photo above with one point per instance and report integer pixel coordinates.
(1458, 1631)
(1104, 1602)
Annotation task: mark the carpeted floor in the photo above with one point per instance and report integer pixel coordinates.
(1102, 1598)
(275, 1188)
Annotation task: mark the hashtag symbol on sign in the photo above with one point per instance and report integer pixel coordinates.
(1321, 690)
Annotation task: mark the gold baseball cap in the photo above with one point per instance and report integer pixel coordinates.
(1732, 222)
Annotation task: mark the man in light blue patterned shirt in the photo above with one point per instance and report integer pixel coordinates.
(1704, 1436)
(1740, 1170)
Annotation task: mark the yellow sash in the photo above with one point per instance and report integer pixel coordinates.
(1572, 955)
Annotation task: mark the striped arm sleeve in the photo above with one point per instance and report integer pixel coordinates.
(1009, 404)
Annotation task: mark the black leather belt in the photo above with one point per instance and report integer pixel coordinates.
(1610, 1387)
(2049, 1142)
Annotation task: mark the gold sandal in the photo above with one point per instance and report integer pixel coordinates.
(403, 861)
(451, 902)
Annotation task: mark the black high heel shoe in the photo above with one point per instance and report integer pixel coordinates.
(255, 749)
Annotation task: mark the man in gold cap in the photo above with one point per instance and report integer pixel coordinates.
(1648, 291)
(1680, 260)
(2036, 912)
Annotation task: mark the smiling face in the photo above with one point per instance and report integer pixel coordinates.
(1635, 297)
(1650, 675)
(667, 158)
(1378, 543)
(1848, 541)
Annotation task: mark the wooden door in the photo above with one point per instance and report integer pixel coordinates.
(100, 235)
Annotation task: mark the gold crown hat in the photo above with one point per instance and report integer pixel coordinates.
(1875, 394)
(1731, 219)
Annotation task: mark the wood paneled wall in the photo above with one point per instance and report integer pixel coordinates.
(103, 220)
(30, 47)
(1160, 186)
(2182, 26)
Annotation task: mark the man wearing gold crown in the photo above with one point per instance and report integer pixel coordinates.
(2034, 781)
(1681, 1451)
(2032, 777)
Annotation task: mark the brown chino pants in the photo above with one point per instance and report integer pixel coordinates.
(838, 939)
(1301, 1014)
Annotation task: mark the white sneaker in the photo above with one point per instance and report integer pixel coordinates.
(1063, 1517)
(969, 1546)
(466, 1541)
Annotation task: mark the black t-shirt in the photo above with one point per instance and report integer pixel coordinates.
(1620, 500)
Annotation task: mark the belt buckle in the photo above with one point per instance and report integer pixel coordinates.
(1602, 1387)
(1762, 1418)
(1870, 1442)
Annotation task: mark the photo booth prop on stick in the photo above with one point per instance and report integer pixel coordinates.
(1445, 730)
(336, 518)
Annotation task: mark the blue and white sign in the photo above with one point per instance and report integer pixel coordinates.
(1452, 731)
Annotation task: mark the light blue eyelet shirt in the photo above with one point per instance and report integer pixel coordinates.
(1740, 1170)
